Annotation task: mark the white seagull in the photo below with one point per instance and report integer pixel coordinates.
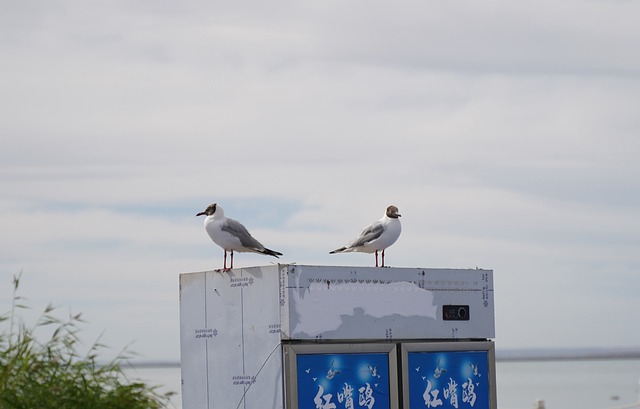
(376, 237)
(231, 235)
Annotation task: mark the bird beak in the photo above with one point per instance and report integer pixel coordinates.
(398, 214)
(200, 214)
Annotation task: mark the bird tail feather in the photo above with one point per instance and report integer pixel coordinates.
(270, 252)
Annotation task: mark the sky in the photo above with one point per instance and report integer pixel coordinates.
(507, 133)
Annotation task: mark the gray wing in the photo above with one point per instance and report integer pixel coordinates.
(237, 229)
(368, 235)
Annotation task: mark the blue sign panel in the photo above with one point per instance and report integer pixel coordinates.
(449, 379)
(343, 380)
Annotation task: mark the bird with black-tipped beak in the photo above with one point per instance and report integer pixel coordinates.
(376, 237)
(231, 235)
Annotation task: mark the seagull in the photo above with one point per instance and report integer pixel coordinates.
(376, 237)
(438, 372)
(231, 235)
(331, 373)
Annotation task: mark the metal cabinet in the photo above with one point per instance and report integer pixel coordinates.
(322, 337)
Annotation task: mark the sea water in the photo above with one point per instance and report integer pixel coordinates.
(561, 384)
(564, 384)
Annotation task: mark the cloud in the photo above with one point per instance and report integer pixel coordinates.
(506, 135)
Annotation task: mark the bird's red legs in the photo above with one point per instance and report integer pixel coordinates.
(382, 258)
(376, 258)
(225, 262)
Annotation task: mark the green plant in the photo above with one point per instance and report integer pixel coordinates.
(52, 374)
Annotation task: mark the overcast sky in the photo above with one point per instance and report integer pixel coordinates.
(507, 133)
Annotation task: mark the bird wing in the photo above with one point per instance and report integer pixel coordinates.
(236, 228)
(368, 235)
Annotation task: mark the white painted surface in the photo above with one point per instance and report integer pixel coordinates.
(338, 303)
(323, 307)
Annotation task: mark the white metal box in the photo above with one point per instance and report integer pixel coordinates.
(233, 323)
